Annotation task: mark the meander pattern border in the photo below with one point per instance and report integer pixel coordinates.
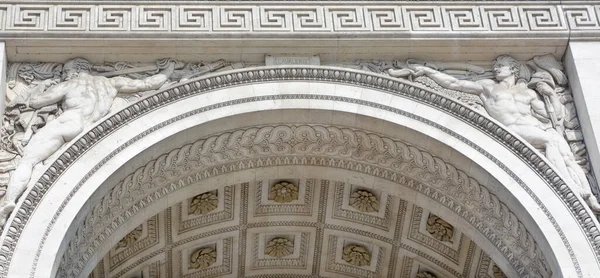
(299, 73)
(168, 19)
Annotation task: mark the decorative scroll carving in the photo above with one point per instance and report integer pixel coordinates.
(425, 274)
(364, 201)
(539, 118)
(130, 238)
(439, 228)
(283, 192)
(203, 203)
(279, 247)
(203, 258)
(356, 255)
(38, 95)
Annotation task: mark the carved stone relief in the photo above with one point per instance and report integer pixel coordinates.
(293, 249)
(41, 92)
(332, 138)
(364, 201)
(130, 238)
(485, 19)
(544, 109)
(203, 258)
(283, 192)
(552, 108)
(356, 255)
(279, 247)
(203, 203)
(439, 228)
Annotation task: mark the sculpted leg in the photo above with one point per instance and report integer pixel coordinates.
(550, 141)
(41, 146)
(578, 174)
(559, 154)
(554, 154)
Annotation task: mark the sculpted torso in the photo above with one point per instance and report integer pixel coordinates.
(519, 108)
(85, 99)
(91, 96)
(509, 105)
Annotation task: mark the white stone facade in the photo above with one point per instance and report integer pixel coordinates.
(447, 189)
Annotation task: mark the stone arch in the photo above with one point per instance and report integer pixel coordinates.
(520, 169)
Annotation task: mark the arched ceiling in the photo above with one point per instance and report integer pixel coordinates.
(486, 218)
(296, 228)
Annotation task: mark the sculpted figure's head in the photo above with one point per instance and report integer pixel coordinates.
(73, 67)
(505, 66)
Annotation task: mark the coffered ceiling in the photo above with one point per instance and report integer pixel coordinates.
(296, 228)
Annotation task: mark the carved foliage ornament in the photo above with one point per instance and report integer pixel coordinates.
(203, 258)
(304, 140)
(356, 255)
(283, 192)
(279, 247)
(203, 203)
(439, 228)
(130, 238)
(364, 201)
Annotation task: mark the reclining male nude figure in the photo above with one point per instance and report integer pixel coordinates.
(512, 105)
(85, 99)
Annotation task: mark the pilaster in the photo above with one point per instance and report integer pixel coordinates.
(582, 62)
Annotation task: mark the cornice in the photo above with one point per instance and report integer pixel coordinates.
(298, 19)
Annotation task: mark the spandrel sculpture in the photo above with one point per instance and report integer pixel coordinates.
(50, 104)
(526, 99)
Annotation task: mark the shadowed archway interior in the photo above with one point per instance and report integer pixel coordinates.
(383, 193)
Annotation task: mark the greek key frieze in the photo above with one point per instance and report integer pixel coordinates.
(215, 20)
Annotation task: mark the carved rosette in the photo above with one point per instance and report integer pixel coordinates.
(283, 192)
(425, 274)
(279, 247)
(439, 228)
(356, 255)
(498, 272)
(203, 203)
(130, 238)
(203, 258)
(364, 201)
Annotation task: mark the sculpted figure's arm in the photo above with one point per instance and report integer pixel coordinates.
(127, 85)
(53, 95)
(540, 107)
(448, 81)
(539, 110)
